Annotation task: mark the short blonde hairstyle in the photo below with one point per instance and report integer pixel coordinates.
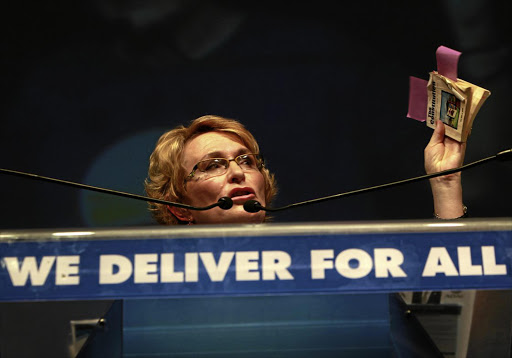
(166, 175)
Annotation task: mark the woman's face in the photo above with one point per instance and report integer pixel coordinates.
(236, 183)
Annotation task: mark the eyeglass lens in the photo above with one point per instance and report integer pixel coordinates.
(218, 166)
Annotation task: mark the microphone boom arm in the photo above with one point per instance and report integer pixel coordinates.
(224, 202)
(255, 206)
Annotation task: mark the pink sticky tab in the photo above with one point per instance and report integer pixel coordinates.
(447, 62)
(418, 98)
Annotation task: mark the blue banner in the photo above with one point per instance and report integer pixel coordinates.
(240, 265)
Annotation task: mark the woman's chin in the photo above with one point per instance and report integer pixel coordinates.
(238, 215)
(235, 215)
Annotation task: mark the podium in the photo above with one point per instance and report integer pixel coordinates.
(271, 290)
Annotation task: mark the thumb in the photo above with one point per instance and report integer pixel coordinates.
(438, 135)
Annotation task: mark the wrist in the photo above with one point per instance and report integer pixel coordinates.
(464, 214)
(446, 185)
(447, 195)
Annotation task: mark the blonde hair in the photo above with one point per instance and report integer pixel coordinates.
(166, 175)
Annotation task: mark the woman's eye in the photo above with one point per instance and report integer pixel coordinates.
(246, 160)
(212, 165)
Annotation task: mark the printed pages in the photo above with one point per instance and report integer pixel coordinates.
(455, 103)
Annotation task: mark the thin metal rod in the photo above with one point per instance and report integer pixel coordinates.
(103, 190)
(389, 185)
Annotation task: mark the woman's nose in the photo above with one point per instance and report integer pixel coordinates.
(235, 173)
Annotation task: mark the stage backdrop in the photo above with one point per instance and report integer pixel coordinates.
(88, 88)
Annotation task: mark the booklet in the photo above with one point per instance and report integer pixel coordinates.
(455, 103)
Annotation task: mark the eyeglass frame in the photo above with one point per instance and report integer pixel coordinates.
(260, 164)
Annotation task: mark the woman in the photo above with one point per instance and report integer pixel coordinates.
(216, 157)
(186, 167)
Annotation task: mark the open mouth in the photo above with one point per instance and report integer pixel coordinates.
(239, 194)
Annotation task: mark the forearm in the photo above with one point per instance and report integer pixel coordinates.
(444, 153)
(447, 195)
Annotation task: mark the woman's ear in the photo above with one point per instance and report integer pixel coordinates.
(181, 213)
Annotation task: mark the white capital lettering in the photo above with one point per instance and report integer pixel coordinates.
(275, 264)
(191, 267)
(28, 269)
(167, 273)
(388, 261)
(217, 272)
(489, 262)
(364, 266)
(146, 270)
(321, 260)
(466, 267)
(107, 264)
(439, 261)
(66, 270)
(247, 266)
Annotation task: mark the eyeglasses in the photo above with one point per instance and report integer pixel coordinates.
(217, 166)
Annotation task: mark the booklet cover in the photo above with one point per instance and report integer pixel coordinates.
(455, 103)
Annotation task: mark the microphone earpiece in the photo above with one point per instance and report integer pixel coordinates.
(225, 203)
(252, 206)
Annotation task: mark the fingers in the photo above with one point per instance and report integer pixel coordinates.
(456, 148)
(438, 135)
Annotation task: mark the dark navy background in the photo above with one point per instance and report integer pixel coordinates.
(89, 86)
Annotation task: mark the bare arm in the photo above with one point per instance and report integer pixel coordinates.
(443, 153)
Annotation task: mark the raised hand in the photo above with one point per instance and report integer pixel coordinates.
(443, 153)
